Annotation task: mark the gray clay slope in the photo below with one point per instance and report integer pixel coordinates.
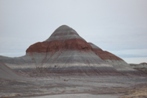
(118, 64)
(7, 73)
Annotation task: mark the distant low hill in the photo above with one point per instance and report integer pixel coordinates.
(140, 67)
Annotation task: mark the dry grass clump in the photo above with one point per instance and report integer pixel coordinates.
(138, 92)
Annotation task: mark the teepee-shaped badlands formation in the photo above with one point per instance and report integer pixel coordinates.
(65, 51)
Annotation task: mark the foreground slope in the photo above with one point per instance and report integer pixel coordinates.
(7, 73)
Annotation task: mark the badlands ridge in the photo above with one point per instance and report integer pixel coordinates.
(66, 63)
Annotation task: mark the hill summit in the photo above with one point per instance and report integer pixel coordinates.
(63, 38)
(64, 32)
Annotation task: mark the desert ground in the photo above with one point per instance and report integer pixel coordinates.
(71, 86)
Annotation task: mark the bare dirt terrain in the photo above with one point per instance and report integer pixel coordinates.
(56, 85)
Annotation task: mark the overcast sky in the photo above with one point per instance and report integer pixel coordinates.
(118, 26)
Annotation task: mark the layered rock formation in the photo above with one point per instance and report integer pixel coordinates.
(63, 38)
(65, 51)
(104, 55)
